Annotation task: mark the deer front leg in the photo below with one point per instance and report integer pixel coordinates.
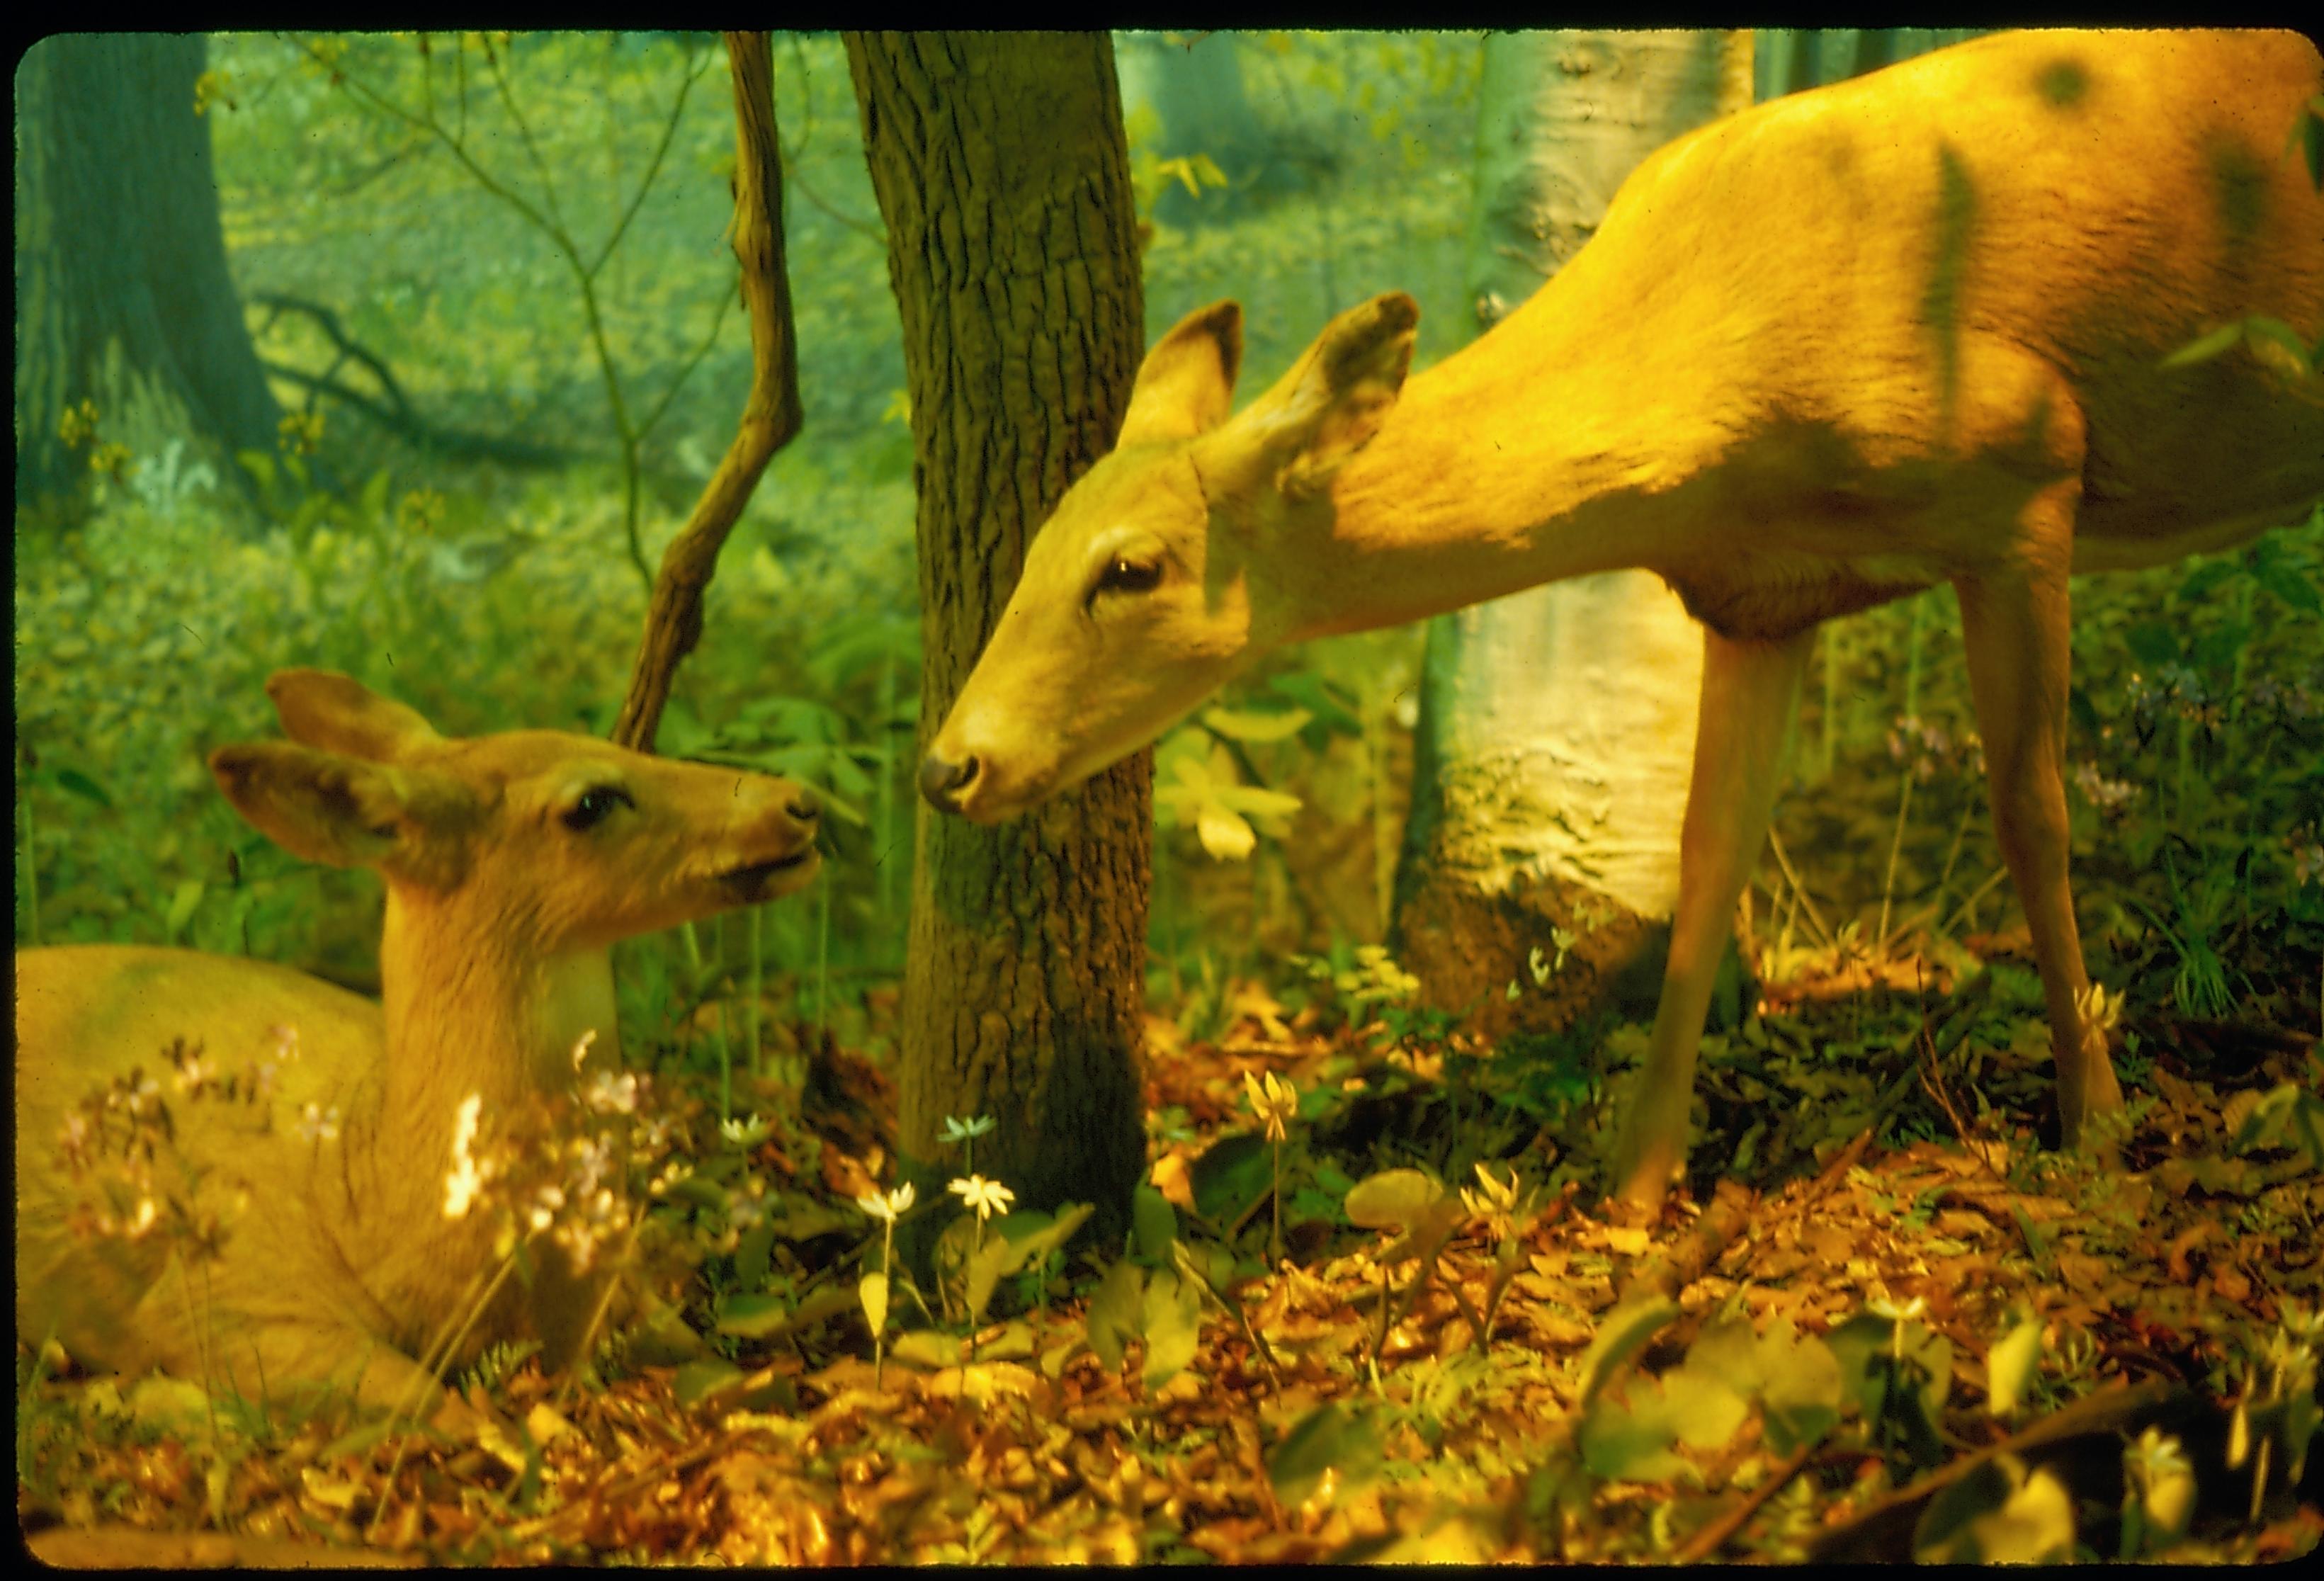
(2014, 630)
(1749, 692)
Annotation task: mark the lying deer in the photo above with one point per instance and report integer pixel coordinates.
(513, 863)
(1903, 330)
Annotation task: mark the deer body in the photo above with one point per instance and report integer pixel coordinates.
(513, 863)
(1830, 351)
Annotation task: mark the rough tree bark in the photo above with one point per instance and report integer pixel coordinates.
(1556, 726)
(1002, 173)
(119, 253)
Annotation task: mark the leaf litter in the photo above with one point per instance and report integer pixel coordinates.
(1906, 1331)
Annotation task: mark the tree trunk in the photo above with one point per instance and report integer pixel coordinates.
(1001, 172)
(123, 296)
(1556, 726)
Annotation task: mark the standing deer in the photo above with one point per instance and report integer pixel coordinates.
(513, 863)
(1903, 330)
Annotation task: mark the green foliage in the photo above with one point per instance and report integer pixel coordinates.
(2197, 723)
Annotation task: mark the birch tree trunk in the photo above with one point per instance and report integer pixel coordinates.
(1557, 725)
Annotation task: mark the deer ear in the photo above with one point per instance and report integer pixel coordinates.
(1185, 386)
(413, 824)
(1331, 402)
(336, 713)
(313, 804)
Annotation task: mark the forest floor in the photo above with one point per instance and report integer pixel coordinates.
(1902, 1328)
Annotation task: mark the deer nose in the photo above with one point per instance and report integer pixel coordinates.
(942, 782)
(803, 806)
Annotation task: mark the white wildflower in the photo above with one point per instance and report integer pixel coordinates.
(986, 1196)
(890, 1206)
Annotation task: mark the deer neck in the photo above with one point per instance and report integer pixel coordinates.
(467, 1017)
(1522, 459)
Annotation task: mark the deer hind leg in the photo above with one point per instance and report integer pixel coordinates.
(2015, 627)
(1750, 693)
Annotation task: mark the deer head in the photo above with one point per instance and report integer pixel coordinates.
(1178, 558)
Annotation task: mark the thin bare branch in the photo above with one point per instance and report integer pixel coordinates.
(770, 417)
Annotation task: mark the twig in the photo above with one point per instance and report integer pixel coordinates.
(2099, 1422)
(511, 452)
(1709, 1540)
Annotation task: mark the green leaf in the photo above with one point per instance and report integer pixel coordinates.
(2202, 580)
(182, 902)
(759, 1314)
(1321, 699)
(1861, 1337)
(1800, 1398)
(753, 1317)
(992, 1258)
(2309, 136)
(1230, 1175)
(1331, 1436)
(1728, 1349)
(2287, 1116)
(2205, 347)
(1629, 1439)
(1705, 1412)
(1393, 1200)
(2151, 642)
(698, 1192)
(1170, 1313)
(2291, 352)
(2010, 1365)
(698, 1381)
(1258, 800)
(1998, 1515)
(1114, 1313)
(81, 785)
(924, 1347)
(2290, 585)
(1154, 1222)
(1032, 1234)
(753, 1252)
(872, 1292)
(2217, 648)
(1620, 1335)
(664, 1340)
(1241, 725)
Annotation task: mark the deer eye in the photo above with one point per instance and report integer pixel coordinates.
(1122, 575)
(593, 806)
